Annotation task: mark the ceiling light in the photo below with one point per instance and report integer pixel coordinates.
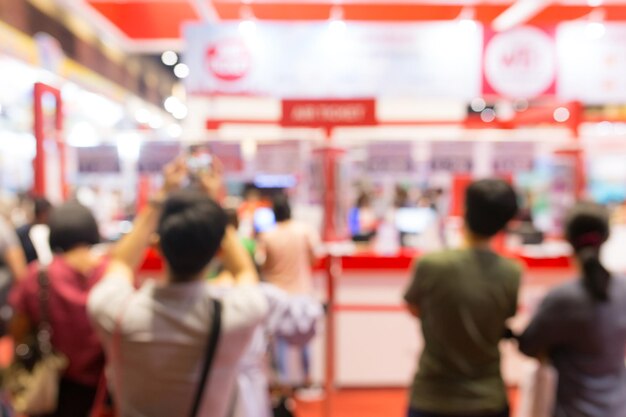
(171, 104)
(488, 115)
(478, 104)
(467, 18)
(520, 12)
(142, 116)
(181, 70)
(594, 3)
(169, 58)
(181, 112)
(561, 114)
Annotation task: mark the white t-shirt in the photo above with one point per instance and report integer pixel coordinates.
(155, 362)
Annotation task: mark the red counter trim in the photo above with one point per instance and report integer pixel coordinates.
(371, 262)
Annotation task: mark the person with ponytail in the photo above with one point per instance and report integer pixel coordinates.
(581, 326)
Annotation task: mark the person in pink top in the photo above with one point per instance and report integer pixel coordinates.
(287, 256)
(287, 252)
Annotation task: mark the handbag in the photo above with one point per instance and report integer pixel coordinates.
(33, 377)
(209, 357)
(538, 391)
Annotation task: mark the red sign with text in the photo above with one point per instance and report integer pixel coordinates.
(329, 113)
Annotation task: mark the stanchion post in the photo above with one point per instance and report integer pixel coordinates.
(332, 267)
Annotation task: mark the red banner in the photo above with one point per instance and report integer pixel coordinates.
(328, 113)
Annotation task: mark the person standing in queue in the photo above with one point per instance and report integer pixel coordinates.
(41, 214)
(287, 255)
(581, 326)
(464, 298)
(156, 337)
(73, 271)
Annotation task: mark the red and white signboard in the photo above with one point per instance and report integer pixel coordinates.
(320, 60)
(520, 63)
(328, 113)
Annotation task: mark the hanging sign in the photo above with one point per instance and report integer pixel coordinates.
(328, 113)
(319, 60)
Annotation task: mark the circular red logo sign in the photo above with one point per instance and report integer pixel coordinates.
(229, 60)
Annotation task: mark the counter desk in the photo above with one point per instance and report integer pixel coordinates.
(369, 336)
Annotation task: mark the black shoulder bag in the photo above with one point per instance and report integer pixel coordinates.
(214, 336)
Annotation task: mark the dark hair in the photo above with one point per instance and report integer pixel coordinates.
(233, 217)
(363, 200)
(586, 229)
(191, 229)
(489, 205)
(41, 207)
(72, 225)
(282, 209)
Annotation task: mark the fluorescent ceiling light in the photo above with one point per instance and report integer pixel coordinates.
(519, 13)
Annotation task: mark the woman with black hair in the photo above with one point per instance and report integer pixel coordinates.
(74, 270)
(581, 326)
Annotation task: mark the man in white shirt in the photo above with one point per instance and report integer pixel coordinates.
(156, 337)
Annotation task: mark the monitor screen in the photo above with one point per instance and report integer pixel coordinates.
(264, 219)
(414, 220)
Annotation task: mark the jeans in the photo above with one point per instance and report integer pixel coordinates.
(417, 413)
(281, 347)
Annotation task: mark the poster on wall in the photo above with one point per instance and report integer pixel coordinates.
(282, 158)
(229, 155)
(389, 158)
(513, 157)
(452, 157)
(321, 60)
(153, 156)
(520, 63)
(101, 159)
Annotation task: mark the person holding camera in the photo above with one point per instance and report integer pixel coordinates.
(156, 336)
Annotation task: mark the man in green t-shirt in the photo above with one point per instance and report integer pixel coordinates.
(464, 298)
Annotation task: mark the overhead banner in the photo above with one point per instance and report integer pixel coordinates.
(322, 60)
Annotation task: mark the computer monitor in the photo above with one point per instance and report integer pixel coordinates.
(264, 219)
(414, 220)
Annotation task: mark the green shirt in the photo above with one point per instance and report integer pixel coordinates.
(464, 297)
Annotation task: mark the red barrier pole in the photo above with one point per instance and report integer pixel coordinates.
(332, 267)
(39, 163)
